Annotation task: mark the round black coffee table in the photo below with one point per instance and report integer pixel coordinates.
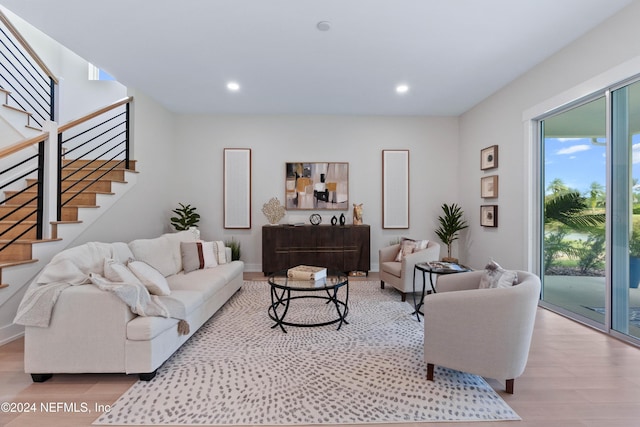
(325, 289)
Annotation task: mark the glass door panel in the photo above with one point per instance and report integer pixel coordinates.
(625, 182)
(574, 173)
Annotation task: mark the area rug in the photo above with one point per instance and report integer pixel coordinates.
(634, 314)
(237, 370)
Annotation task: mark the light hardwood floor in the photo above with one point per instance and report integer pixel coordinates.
(575, 377)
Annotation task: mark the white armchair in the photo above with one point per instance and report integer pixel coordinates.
(486, 332)
(400, 274)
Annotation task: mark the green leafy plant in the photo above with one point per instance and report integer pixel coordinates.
(235, 248)
(186, 217)
(450, 225)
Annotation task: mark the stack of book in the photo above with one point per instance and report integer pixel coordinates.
(307, 272)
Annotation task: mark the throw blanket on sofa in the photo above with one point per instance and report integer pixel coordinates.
(73, 267)
(68, 268)
(137, 297)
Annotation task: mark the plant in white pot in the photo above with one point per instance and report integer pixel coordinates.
(450, 225)
(186, 218)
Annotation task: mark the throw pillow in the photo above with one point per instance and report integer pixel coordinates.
(507, 279)
(219, 250)
(151, 278)
(117, 272)
(409, 246)
(197, 255)
(497, 277)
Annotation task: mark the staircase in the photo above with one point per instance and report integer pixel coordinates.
(55, 181)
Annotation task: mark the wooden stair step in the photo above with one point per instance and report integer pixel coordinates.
(98, 163)
(20, 251)
(4, 264)
(18, 228)
(103, 185)
(77, 197)
(75, 173)
(69, 213)
(3, 285)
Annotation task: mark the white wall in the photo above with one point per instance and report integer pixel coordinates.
(275, 140)
(144, 210)
(499, 120)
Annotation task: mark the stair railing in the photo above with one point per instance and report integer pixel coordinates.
(26, 214)
(90, 147)
(32, 85)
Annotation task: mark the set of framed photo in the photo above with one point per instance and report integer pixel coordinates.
(489, 186)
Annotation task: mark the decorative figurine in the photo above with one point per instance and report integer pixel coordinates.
(357, 214)
(334, 220)
(342, 219)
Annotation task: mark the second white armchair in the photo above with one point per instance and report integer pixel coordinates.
(399, 274)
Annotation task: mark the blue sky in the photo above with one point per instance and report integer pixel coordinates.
(578, 162)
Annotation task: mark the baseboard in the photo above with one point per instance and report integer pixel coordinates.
(11, 333)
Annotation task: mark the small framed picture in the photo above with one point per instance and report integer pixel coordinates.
(489, 157)
(489, 187)
(489, 215)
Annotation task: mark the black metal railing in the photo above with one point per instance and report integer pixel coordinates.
(23, 208)
(91, 149)
(31, 85)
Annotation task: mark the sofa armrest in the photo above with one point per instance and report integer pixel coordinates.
(388, 253)
(431, 253)
(87, 333)
(459, 281)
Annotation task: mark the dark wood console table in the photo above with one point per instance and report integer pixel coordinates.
(338, 247)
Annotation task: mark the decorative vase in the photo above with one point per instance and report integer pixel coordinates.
(334, 220)
(342, 219)
(195, 232)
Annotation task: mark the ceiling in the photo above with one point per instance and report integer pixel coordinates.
(452, 54)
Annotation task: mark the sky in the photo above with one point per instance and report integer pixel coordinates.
(578, 162)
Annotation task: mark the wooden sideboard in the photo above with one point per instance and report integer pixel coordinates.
(338, 247)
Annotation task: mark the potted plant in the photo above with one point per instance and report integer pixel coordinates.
(186, 217)
(450, 225)
(235, 248)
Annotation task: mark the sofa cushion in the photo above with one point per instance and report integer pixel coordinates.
(151, 278)
(162, 253)
(146, 328)
(206, 282)
(197, 255)
(392, 267)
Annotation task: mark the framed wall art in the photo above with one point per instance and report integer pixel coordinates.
(489, 187)
(395, 188)
(237, 188)
(489, 157)
(489, 215)
(317, 185)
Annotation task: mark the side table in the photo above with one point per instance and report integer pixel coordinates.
(432, 267)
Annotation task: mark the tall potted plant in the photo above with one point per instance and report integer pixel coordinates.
(450, 225)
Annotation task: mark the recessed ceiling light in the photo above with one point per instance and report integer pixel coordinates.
(233, 86)
(402, 88)
(324, 25)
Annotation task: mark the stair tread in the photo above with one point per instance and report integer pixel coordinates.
(4, 264)
(65, 222)
(20, 110)
(31, 190)
(29, 241)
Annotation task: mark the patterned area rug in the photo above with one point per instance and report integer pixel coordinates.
(238, 370)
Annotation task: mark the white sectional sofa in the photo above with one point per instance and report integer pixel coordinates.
(91, 330)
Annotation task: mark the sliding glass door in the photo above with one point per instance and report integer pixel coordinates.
(590, 221)
(625, 208)
(574, 214)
